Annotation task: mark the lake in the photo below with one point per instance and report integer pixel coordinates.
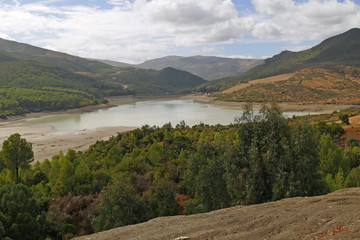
(152, 112)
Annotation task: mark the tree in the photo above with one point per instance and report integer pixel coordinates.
(205, 176)
(344, 118)
(17, 154)
(118, 206)
(160, 199)
(20, 214)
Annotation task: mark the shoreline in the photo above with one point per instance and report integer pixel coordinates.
(47, 141)
(286, 107)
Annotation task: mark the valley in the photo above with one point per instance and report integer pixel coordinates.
(92, 145)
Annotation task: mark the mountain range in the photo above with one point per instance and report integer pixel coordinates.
(37, 79)
(325, 73)
(206, 67)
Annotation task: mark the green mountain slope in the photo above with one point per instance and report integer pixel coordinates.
(343, 49)
(145, 81)
(69, 62)
(118, 80)
(208, 68)
(30, 86)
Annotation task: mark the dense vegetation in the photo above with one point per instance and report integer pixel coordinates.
(153, 171)
(342, 49)
(28, 86)
(150, 82)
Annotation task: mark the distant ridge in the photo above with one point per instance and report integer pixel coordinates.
(58, 59)
(34, 79)
(343, 49)
(209, 68)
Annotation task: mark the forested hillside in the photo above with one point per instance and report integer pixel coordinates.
(150, 82)
(161, 171)
(33, 79)
(30, 86)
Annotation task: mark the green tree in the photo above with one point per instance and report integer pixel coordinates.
(353, 179)
(20, 214)
(119, 206)
(205, 176)
(344, 118)
(161, 199)
(17, 154)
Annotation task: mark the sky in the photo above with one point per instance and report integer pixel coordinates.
(134, 31)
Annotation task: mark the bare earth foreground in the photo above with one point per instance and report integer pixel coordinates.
(332, 216)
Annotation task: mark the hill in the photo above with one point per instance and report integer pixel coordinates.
(58, 59)
(146, 81)
(323, 217)
(343, 49)
(36, 79)
(208, 68)
(31, 86)
(328, 84)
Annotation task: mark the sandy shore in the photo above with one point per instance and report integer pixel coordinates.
(47, 142)
(286, 107)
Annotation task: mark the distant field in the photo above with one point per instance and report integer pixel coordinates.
(273, 79)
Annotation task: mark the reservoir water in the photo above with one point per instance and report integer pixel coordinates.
(151, 112)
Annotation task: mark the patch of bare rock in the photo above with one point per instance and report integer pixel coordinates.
(332, 216)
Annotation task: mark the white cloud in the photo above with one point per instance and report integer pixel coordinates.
(237, 56)
(133, 31)
(288, 20)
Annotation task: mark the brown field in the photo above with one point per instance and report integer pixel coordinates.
(317, 85)
(273, 79)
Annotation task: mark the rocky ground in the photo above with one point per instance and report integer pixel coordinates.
(332, 216)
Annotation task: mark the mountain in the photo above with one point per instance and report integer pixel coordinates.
(147, 81)
(329, 216)
(31, 86)
(113, 80)
(58, 59)
(331, 84)
(115, 63)
(209, 68)
(343, 49)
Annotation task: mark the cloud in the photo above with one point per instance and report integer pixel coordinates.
(288, 20)
(137, 30)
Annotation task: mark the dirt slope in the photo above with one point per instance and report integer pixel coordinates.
(333, 216)
(314, 85)
(273, 79)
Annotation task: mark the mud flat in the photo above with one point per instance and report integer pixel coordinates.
(48, 142)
